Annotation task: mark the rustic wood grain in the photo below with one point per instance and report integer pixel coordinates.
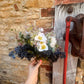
(60, 25)
(71, 71)
(58, 72)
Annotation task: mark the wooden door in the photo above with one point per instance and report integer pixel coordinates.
(60, 25)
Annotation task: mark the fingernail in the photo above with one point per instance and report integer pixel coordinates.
(40, 60)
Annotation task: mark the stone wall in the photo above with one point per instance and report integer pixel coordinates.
(16, 14)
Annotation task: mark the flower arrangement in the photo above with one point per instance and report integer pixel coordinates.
(38, 45)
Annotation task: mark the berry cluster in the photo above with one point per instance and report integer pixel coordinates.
(27, 51)
(23, 51)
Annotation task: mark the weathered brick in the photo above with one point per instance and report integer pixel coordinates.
(16, 7)
(48, 12)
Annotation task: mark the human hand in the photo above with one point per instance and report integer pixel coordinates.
(33, 72)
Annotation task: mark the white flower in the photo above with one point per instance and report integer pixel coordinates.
(41, 29)
(40, 37)
(53, 42)
(43, 47)
(40, 43)
(26, 32)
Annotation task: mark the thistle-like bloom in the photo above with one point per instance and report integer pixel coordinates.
(41, 37)
(43, 47)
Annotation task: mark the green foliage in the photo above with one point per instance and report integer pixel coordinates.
(49, 44)
(24, 39)
(28, 39)
(21, 35)
(11, 29)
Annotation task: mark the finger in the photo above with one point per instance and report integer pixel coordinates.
(38, 64)
(33, 62)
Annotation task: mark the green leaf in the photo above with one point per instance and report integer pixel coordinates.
(11, 29)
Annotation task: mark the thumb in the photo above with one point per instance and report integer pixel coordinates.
(39, 63)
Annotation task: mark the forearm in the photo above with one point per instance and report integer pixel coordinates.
(33, 73)
(30, 82)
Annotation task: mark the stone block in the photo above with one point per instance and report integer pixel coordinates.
(4, 38)
(33, 16)
(16, 14)
(4, 43)
(31, 3)
(6, 3)
(18, 20)
(4, 14)
(9, 8)
(39, 3)
(4, 52)
(7, 14)
(46, 3)
(33, 13)
(48, 12)
(17, 1)
(45, 23)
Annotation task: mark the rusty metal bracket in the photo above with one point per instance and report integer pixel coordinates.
(82, 43)
(76, 35)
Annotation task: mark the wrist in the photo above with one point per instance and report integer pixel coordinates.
(29, 81)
